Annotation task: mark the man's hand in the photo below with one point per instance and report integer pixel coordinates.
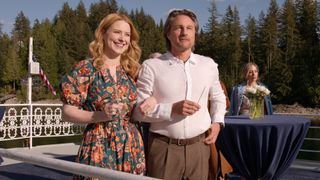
(185, 107)
(212, 133)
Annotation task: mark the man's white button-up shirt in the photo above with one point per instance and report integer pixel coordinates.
(170, 80)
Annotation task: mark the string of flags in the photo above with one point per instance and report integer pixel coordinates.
(44, 78)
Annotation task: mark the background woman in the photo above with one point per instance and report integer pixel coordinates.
(239, 102)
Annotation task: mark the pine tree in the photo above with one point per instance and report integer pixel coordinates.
(269, 39)
(250, 40)
(261, 48)
(84, 33)
(231, 43)
(307, 62)
(21, 33)
(63, 27)
(150, 36)
(2, 58)
(11, 67)
(65, 62)
(289, 44)
(208, 42)
(99, 10)
(1, 55)
(45, 50)
(1, 29)
(72, 34)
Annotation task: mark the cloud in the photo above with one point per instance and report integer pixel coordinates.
(5, 22)
(6, 26)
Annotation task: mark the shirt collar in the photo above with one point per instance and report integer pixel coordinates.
(174, 60)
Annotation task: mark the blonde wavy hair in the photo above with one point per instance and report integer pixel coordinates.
(129, 59)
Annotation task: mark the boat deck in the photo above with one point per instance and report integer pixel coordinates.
(13, 169)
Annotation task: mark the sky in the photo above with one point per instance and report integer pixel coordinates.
(158, 9)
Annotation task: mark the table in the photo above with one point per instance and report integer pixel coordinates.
(265, 148)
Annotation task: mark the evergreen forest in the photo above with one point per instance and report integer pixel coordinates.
(284, 41)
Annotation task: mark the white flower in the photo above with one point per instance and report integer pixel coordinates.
(258, 91)
(251, 90)
(263, 90)
(266, 92)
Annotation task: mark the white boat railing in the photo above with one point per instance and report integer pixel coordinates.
(314, 128)
(46, 122)
(71, 167)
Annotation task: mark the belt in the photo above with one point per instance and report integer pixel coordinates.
(179, 142)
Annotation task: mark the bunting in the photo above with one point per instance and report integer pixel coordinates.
(44, 77)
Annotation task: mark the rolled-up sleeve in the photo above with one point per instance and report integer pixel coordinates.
(217, 99)
(145, 86)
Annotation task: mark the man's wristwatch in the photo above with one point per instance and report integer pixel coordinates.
(221, 124)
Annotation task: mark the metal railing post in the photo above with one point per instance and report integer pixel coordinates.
(30, 91)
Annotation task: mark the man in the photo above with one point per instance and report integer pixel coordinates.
(181, 82)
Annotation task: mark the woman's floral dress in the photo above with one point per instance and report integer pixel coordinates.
(114, 144)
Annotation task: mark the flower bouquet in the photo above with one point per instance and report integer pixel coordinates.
(256, 97)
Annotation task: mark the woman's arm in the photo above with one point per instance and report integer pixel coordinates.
(75, 115)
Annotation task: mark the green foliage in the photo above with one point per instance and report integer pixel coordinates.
(230, 47)
(21, 33)
(45, 50)
(314, 90)
(73, 35)
(11, 67)
(249, 43)
(22, 94)
(1, 28)
(83, 34)
(100, 10)
(150, 34)
(209, 39)
(40, 91)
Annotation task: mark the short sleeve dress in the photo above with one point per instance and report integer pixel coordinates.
(114, 144)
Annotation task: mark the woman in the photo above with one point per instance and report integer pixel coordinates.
(101, 92)
(239, 102)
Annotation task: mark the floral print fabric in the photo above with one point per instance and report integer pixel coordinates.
(116, 143)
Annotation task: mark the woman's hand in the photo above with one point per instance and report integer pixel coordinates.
(148, 105)
(111, 109)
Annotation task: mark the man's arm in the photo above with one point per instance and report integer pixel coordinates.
(217, 108)
(145, 86)
(217, 101)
